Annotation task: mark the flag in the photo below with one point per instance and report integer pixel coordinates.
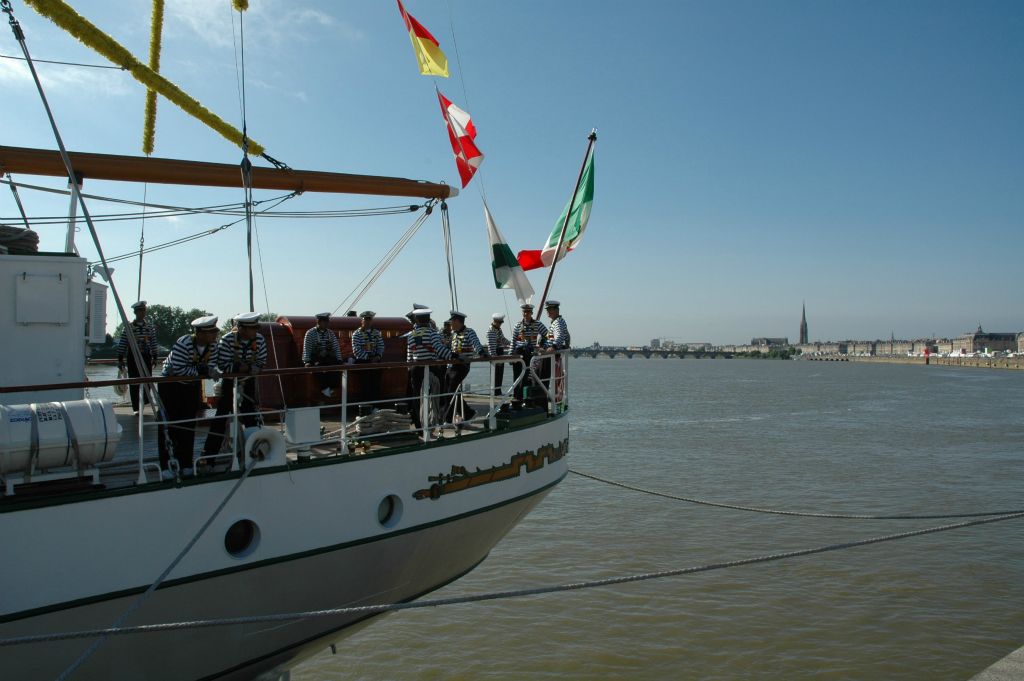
(507, 272)
(580, 213)
(425, 46)
(461, 133)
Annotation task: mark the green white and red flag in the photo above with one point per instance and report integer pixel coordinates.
(578, 210)
(507, 272)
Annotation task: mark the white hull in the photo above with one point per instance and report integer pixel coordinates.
(320, 546)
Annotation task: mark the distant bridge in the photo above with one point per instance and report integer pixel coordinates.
(647, 353)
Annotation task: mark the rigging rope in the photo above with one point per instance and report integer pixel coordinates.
(65, 63)
(137, 603)
(142, 239)
(192, 237)
(374, 274)
(498, 595)
(17, 200)
(446, 231)
(801, 514)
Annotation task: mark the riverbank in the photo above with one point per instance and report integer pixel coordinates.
(977, 362)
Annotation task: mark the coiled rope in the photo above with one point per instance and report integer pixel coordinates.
(801, 514)
(494, 596)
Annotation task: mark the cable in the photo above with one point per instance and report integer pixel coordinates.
(65, 63)
(801, 514)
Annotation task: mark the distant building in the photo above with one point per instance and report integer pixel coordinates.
(770, 342)
(655, 343)
(980, 341)
(803, 326)
(1020, 342)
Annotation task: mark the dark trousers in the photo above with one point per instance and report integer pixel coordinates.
(416, 386)
(369, 380)
(517, 369)
(247, 386)
(327, 379)
(133, 372)
(452, 380)
(181, 401)
(499, 376)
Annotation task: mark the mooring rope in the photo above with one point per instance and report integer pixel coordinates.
(801, 514)
(137, 603)
(494, 596)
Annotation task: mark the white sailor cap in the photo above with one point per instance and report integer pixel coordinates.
(367, 314)
(421, 312)
(247, 319)
(205, 323)
(526, 306)
(455, 314)
(323, 315)
(498, 317)
(137, 305)
(552, 303)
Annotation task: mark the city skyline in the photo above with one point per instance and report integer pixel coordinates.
(749, 156)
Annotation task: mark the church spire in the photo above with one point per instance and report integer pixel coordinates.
(803, 325)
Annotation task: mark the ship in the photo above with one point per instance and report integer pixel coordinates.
(317, 507)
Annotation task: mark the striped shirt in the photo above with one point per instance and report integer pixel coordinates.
(425, 344)
(497, 344)
(558, 334)
(529, 335)
(185, 359)
(318, 345)
(367, 344)
(233, 351)
(466, 342)
(145, 335)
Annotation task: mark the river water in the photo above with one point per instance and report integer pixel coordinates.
(837, 437)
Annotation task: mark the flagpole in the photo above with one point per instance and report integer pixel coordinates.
(568, 214)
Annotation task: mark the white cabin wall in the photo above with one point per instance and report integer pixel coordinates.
(42, 325)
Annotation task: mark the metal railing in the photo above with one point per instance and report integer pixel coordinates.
(544, 379)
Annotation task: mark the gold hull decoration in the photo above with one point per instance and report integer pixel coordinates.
(67, 18)
(460, 479)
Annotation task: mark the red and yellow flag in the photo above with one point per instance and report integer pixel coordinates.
(425, 46)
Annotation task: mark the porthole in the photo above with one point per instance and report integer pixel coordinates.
(242, 538)
(389, 511)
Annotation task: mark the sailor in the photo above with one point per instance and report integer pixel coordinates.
(557, 339)
(320, 348)
(145, 336)
(497, 345)
(241, 351)
(424, 344)
(528, 337)
(464, 344)
(193, 356)
(368, 348)
(446, 332)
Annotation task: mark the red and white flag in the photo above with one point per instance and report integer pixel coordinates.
(461, 132)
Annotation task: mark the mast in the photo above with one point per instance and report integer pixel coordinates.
(199, 173)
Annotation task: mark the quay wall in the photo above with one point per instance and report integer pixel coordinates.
(981, 362)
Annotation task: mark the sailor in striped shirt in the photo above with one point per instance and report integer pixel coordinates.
(424, 344)
(193, 356)
(557, 339)
(145, 336)
(465, 343)
(528, 337)
(497, 344)
(241, 351)
(368, 348)
(320, 347)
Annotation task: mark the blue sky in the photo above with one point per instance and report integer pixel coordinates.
(867, 157)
